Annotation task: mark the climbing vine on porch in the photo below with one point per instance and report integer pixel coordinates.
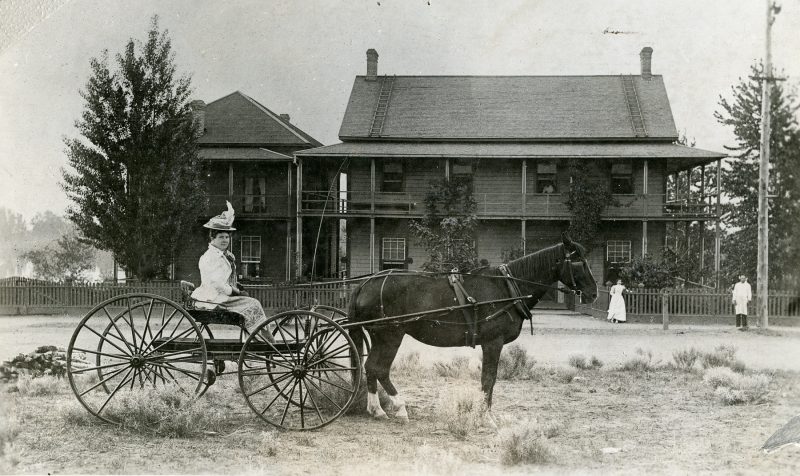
(586, 201)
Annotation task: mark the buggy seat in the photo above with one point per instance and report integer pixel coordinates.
(217, 315)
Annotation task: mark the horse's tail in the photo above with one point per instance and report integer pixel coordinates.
(356, 333)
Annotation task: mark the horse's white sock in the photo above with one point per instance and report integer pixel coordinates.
(374, 406)
(399, 407)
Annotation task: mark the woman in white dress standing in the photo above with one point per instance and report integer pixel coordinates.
(616, 308)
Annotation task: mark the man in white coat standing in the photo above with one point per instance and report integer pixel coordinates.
(742, 294)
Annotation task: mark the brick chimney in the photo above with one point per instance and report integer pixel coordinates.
(372, 65)
(285, 117)
(646, 57)
(198, 108)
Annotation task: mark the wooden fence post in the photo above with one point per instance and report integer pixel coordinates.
(665, 309)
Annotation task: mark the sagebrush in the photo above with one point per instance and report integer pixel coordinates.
(514, 363)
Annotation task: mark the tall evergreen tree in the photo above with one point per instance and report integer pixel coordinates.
(135, 183)
(740, 180)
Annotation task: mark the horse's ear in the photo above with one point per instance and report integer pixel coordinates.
(567, 240)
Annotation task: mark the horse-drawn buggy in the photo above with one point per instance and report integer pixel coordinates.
(302, 369)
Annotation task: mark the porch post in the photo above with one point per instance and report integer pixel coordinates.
(524, 193)
(372, 244)
(289, 221)
(230, 180)
(299, 221)
(717, 227)
(644, 178)
(524, 237)
(644, 238)
(372, 185)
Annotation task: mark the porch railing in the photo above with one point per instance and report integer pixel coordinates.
(510, 204)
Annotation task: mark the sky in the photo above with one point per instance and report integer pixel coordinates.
(300, 57)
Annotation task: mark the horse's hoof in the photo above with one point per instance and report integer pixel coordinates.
(381, 416)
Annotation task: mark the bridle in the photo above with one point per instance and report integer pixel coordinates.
(571, 283)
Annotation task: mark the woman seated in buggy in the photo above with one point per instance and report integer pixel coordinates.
(218, 285)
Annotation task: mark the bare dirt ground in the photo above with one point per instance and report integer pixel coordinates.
(662, 421)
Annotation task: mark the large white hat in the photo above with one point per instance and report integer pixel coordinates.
(223, 221)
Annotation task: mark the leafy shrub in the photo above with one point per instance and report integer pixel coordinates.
(461, 411)
(45, 360)
(722, 356)
(565, 375)
(734, 388)
(578, 361)
(719, 377)
(642, 362)
(514, 363)
(581, 363)
(524, 444)
(458, 368)
(686, 358)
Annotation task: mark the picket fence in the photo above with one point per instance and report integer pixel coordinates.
(690, 302)
(25, 298)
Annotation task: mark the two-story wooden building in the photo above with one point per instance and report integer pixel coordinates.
(248, 151)
(513, 136)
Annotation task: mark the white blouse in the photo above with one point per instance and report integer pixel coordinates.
(215, 276)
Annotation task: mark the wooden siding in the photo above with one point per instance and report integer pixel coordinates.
(496, 237)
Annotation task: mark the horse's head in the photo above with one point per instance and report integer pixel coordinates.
(574, 271)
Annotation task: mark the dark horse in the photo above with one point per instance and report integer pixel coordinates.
(402, 293)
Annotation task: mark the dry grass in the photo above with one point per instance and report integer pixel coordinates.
(685, 359)
(9, 430)
(409, 365)
(733, 388)
(514, 363)
(461, 411)
(163, 412)
(458, 368)
(525, 443)
(28, 386)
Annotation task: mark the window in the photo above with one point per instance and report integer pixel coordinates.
(462, 171)
(622, 178)
(618, 251)
(546, 178)
(255, 194)
(393, 253)
(392, 176)
(250, 256)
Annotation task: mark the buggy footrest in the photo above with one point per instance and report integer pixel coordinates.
(217, 316)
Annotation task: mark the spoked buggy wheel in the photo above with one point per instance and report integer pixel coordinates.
(132, 343)
(304, 380)
(340, 317)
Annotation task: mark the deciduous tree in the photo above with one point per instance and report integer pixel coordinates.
(135, 178)
(447, 230)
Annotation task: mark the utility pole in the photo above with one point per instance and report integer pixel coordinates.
(762, 284)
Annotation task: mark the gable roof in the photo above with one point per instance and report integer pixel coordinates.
(502, 108)
(238, 119)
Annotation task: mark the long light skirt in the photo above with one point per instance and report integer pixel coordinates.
(248, 307)
(616, 309)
